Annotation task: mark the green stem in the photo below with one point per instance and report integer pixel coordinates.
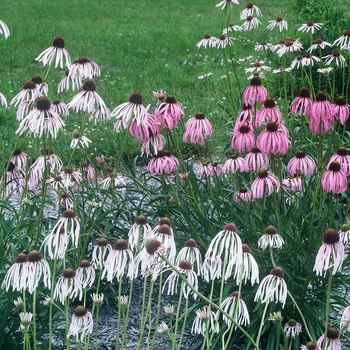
(328, 304)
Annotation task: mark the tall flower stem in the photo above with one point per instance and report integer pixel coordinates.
(328, 304)
(262, 321)
(177, 310)
(119, 310)
(158, 308)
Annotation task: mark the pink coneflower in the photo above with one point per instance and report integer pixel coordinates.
(257, 67)
(212, 266)
(162, 163)
(81, 324)
(264, 180)
(278, 22)
(269, 113)
(88, 99)
(101, 249)
(341, 110)
(143, 131)
(292, 328)
(272, 287)
(79, 141)
(243, 194)
(19, 159)
(254, 92)
(246, 115)
(184, 267)
(55, 52)
(207, 40)
(222, 41)
(344, 234)
(165, 235)
(14, 179)
(153, 144)
(82, 68)
(297, 62)
(197, 129)
(342, 156)
(302, 103)
(290, 45)
(29, 92)
(308, 60)
(223, 3)
(13, 274)
(263, 46)
(281, 70)
(210, 170)
(233, 164)
(319, 44)
(310, 26)
(100, 114)
(301, 163)
(292, 184)
(249, 270)
(331, 253)
(232, 27)
(336, 57)
(250, 23)
(60, 108)
(40, 84)
(250, 10)
(71, 175)
(68, 81)
(149, 259)
(86, 273)
(87, 171)
(332, 341)
(159, 94)
(190, 252)
(4, 29)
(236, 309)
(55, 244)
(334, 179)
(70, 224)
(169, 112)
(68, 286)
(65, 202)
(274, 139)
(256, 160)
(243, 139)
(344, 41)
(270, 238)
(205, 318)
(228, 245)
(311, 345)
(120, 259)
(139, 232)
(321, 114)
(325, 71)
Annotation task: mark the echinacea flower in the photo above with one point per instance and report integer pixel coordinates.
(13, 180)
(270, 238)
(29, 92)
(40, 84)
(345, 319)
(190, 252)
(250, 10)
(86, 273)
(321, 114)
(228, 245)
(184, 267)
(278, 22)
(88, 100)
(311, 345)
(344, 234)
(14, 273)
(254, 92)
(276, 317)
(334, 179)
(344, 41)
(301, 164)
(256, 160)
(169, 113)
(273, 288)
(4, 29)
(281, 70)
(82, 68)
(331, 253)
(237, 309)
(139, 232)
(101, 249)
(165, 235)
(292, 184)
(232, 27)
(81, 324)
(97, 299)
(205, 318)
(269, 113)
(234, 164)
(212, 267)
(68, 286)
(341, 109)
(290, 45)
(298, 62)
(336, 57)
(210, 170)
(159, 94)
(163, 328)
(60, 108)
(319, 44)
(263, 46)
(55, 244)
(79, 141)
(223, 3)
(265, 180)
(70, 175)
(310, 26)
(302, 103)
(26, 319)
(243, 138)
(249, 270)
(250, 23)
(55, 52)
(292, 328)
(325, 71)
(207, 40)
(162, 163)
(243, 194)
(274, 139)
(257, 67)
(342, 156)
(120, 259)
(332, 341)
(197, 129)
(222, 41)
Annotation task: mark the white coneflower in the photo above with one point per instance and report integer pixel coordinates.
(139, 232)
(13, 274)
(79, 141)
(86, 273)
(270, 238)
(250, 10)
(68, 286)
(165, 235)
(205, 316)
(292, 328)
(71, 175)
(345, 319)
(55, 244)
(70, 224)
(310, 26)
(191, 253)
(272, 287)
(123, 300)
(162, 328)
(207, 40)
(26, 319)
(55, 52)
(29, 92)
(250, 23)
(82, 68)
(344, 234)
(184, 267)
(58, 182)
(169, 310)
(4, 29)
(249, 270)
(97, 299)
(81, 324)
(236, 309)
(119, 259)
(19, 159)
(101, 249)
(212, 267)
(113, 179)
